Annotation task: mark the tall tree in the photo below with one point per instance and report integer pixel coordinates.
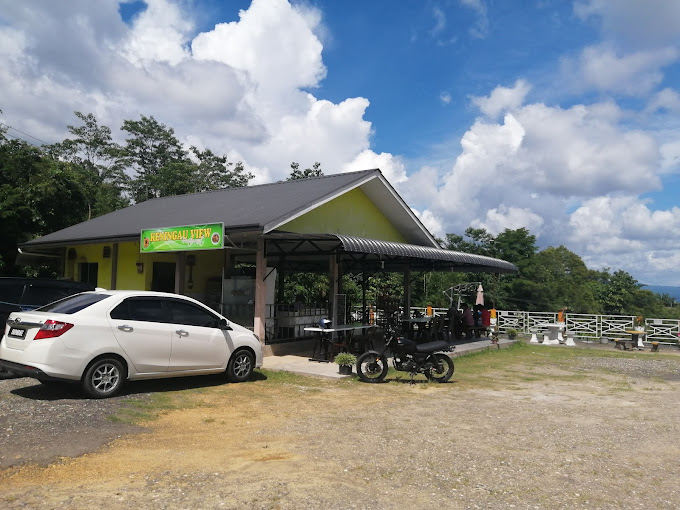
(150, 151)
(93, 150)
(215, 172)
(33, 190)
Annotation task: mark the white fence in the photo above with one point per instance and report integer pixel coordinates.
(586, 326)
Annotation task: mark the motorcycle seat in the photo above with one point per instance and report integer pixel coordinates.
(437, 345)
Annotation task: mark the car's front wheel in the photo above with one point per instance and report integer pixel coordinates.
(104, 378)
(240, 366)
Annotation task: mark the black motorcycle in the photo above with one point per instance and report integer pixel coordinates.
(407, 356)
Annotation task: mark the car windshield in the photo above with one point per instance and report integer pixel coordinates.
(73, 304)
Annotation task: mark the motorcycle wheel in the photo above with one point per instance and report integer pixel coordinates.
(443, 371)
(372, 367)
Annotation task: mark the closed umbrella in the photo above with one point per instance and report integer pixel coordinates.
(480, 295)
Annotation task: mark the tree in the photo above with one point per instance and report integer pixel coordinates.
(215, 172)
(33, 190)
(152, 150)
(315, 171)
(93, 150)
(561, 279)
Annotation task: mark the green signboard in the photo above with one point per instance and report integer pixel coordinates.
(185, 238)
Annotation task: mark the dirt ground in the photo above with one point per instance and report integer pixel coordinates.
(584, 433)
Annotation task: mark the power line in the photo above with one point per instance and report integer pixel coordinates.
(26, 134)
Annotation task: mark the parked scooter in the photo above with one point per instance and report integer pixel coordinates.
(407, 356)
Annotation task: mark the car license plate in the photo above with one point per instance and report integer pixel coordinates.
(17, 333)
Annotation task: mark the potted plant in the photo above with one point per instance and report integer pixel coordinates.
(512, 333)
(345, 362)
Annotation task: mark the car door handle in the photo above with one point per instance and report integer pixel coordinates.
(125, 327)
(182, 332)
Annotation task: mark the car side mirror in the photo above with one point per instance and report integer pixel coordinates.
(225, 325)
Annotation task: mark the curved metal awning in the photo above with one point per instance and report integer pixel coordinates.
(358, 254)
(424, 256)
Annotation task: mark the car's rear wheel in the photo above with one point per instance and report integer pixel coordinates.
(240, 366)
(104, 378)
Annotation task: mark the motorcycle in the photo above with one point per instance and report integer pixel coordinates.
(407, 356)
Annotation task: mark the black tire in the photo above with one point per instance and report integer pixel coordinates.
(104, 378)
(240, 366)
(371, 367)
(443, 371)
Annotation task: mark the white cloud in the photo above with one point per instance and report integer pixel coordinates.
(502, 217)
(391, 166)
(236, 89)
(432, 222)
(648, 23)
(481, 28)
(666, 99)
(602, 68)
(624, 230)
(536, 165)
(502, 99)
(670, 156)
(439, 21)
(158, 34)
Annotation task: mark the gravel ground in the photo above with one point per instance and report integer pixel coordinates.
(585, 433)
(38, 422)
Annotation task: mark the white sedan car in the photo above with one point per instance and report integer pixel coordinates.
(104, 338)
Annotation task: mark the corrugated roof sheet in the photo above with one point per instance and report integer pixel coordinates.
(251, 207)
(455, 259)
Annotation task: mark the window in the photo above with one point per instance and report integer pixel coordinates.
(74, 304)
(192, 315)
(88, 272)
(141, 309)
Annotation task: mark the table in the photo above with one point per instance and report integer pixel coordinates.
(416, 320)
(554, 330)
(635, 335)
(325, 339)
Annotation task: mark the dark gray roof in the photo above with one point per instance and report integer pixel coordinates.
(258, 208)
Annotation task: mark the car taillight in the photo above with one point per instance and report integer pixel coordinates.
(52, 329)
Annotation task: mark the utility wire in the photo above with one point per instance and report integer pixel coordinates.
(26, 134)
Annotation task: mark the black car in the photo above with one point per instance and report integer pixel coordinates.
(21, 294)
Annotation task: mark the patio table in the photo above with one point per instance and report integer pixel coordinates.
(324, 339)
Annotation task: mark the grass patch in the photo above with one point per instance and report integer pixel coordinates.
(134, 412)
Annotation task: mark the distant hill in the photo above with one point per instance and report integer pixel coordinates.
(664, 289)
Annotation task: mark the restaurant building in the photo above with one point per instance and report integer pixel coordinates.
(227, 248)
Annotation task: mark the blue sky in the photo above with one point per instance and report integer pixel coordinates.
(558, 116)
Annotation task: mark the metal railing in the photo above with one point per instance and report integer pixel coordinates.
(285, 323)
(585, 326)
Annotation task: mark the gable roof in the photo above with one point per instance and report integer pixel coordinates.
(261, 208)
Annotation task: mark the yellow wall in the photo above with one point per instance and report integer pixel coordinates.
(208, 265)
(352, 213)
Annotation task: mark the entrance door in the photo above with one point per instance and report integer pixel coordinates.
(163, 277)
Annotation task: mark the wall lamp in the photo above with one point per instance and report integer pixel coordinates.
(140, 267)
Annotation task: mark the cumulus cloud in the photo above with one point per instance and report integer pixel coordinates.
(237, 88)
(504, 217)
(391, 166)
(502, 99)
(649, 23)
(432, 222)
(622, 228)
(602, 68)
(158, 35)
(536, 165)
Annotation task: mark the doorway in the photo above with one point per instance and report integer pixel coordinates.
(163, 277)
